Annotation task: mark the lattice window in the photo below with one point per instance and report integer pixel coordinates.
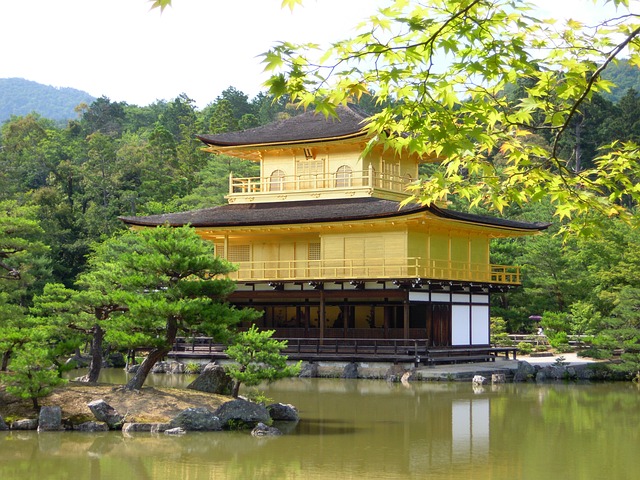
(219, 249)
(343, 176)
(276, 181)
(314, 251)
(239, 253)
(310, 172)
(310, 167)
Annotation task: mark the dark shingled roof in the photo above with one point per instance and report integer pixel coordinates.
(312, 211)
(309, 126)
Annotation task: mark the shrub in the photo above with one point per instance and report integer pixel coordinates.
(559, 340)
(525, 348)
(499, 335)
(193, 368)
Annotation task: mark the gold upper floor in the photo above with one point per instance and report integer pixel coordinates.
(342, 183)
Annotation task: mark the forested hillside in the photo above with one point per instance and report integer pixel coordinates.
(20, 97)
(624, 76)
(63, 187)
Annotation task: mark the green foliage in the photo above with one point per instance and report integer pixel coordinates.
(560, 362)
(258, 358)
(497, 146)
(559, 341)
(257, 396)
(33, 374)
(554, 323)
(193, 368)
(525, 348)
(499, 334)
(164, 281)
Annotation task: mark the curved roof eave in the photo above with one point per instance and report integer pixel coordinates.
(237, 146)
(329, 212)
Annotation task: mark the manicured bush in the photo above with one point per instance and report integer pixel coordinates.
(525, 348)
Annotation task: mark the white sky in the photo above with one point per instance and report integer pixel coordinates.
(121, 49)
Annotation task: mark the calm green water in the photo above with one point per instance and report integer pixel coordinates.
(362, 429)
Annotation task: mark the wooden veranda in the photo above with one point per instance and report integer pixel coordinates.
(314, 349)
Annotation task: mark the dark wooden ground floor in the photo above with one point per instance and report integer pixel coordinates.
(400, 321)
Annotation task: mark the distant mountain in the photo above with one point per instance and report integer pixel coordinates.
(624, 75)
(20, 97)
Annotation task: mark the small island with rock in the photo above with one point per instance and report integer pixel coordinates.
(204, 406)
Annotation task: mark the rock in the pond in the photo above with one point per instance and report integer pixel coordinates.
(262, 430)
(3, 425)
(283, 412)
(175, 431)
(309, 370)
(50, 419)
(497, 378)
(525, 372)
(25, 424)
(242, 413)
(350, 370)
(133, 427)
(106, 413)
(196, 419)
(133, 368)
(91, 427)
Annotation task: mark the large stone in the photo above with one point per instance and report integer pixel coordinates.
(262, 430)
(175, 367)
(525, 372)
(116, 360)
(196, 419)
(91, 427)
(213, 379)
(50, 419)
(175, 431)
(394, 373)
(3, 425)
(133, 427)
(350, 371)
(309, 370)
(241, 413)
(78, 361)
(283, 412)
(160, 367)
(133, 368)
(106, 413)
(25, 424)
(585, 372)
(551, 372)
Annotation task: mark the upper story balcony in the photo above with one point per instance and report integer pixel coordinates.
(343, 183)
(375, 269)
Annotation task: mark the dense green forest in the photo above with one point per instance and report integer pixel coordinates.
(63, 187)
(21, 97)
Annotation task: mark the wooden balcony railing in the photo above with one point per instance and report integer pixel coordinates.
(325, 181)
(375, 268)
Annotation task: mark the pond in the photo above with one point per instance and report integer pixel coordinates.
(357, 429)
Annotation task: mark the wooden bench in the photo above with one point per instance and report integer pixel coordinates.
(506, 351)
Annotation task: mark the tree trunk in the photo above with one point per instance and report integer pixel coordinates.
(154, 356)
(145, 368)
(236, 384)
(96, 354)
(236, 389)
(5, 360)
